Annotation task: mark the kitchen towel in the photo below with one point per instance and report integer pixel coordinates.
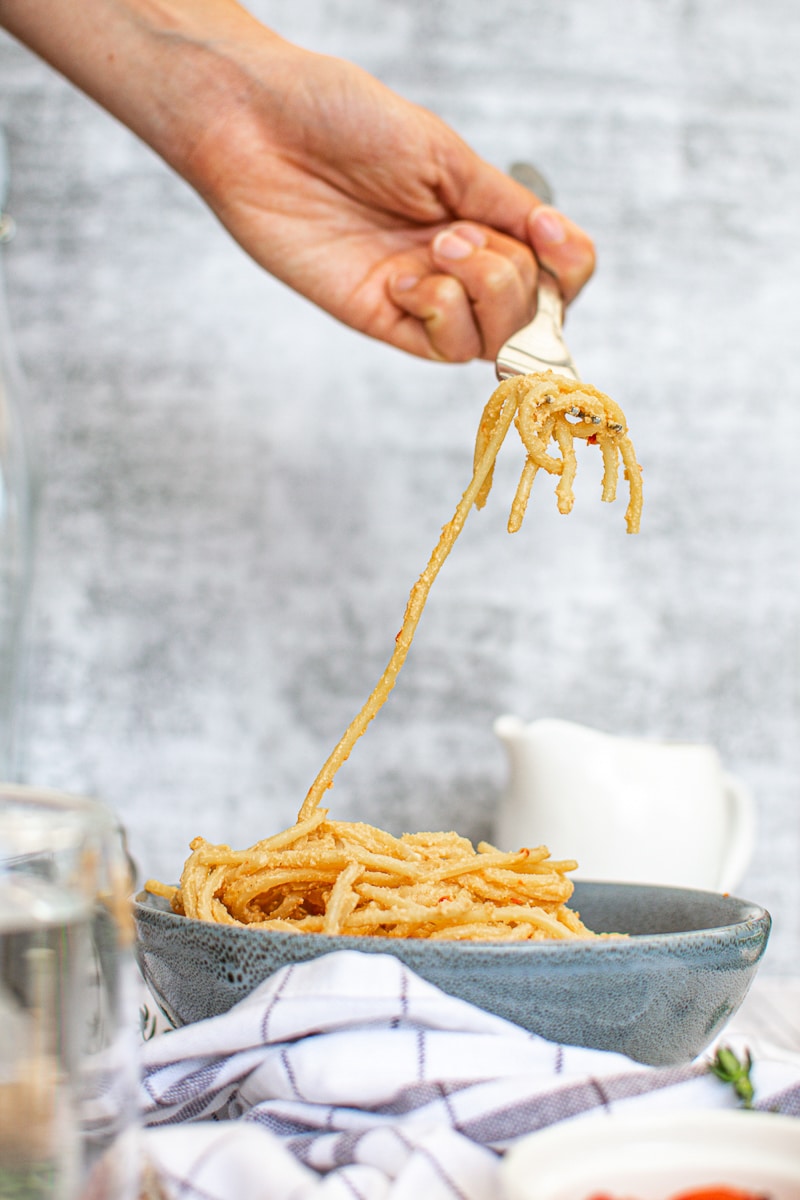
(349, 1076)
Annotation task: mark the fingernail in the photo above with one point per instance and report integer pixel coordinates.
(451, 245)
(404, 283)
(549, 227)
(471, 232)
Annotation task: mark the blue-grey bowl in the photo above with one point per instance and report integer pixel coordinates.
(660, 995)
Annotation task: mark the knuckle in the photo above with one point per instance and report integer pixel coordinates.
(449, 292)
(501, 276)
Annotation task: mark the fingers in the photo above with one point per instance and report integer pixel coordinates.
(498, 274)
(481, 194)
(562, 248)
(444, 325)
(479, 287)
(473, 287)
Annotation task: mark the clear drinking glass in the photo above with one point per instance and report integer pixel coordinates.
(68, 1052)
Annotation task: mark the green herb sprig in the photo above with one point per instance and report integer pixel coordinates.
(729, 1069)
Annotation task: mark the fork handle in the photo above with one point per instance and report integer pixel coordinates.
(549, 299)
(539, 346)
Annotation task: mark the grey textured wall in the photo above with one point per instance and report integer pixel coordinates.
(238, 492)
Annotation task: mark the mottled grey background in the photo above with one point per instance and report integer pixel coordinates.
(234, 503)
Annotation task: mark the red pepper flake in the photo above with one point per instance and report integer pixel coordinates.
(592, 439)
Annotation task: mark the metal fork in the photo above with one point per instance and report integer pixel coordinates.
(540, 345)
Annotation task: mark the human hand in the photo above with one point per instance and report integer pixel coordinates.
(378, 212)
(368, 205)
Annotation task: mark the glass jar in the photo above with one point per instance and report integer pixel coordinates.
(68, 999)
(16, 518)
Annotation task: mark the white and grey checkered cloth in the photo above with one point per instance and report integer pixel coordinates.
(350, 1077)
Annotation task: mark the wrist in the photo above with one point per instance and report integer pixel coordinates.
(198, 60)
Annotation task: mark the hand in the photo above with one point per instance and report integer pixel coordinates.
(378, 212)
(366, 204)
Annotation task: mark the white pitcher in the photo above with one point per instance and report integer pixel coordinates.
(627, 809)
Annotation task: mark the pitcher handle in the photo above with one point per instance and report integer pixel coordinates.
(741, 834)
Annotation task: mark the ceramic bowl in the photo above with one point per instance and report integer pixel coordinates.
(657, 1156)
(659, 996)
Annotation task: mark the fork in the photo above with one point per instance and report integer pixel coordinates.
(539, 345)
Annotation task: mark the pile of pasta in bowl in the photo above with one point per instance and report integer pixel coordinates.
(339, 877)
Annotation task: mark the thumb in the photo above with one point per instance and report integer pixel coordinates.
(562, 248)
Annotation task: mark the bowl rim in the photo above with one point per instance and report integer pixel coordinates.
(750, 916)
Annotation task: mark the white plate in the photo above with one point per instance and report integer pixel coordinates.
(655, 1157)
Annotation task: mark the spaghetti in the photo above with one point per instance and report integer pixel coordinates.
(324, 876)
